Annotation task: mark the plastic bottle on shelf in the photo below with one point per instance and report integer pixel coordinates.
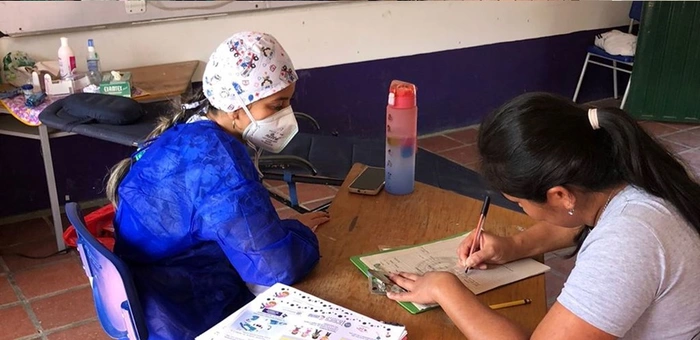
(93, 64)
(66, 60)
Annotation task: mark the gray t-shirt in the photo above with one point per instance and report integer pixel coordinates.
(637, 275)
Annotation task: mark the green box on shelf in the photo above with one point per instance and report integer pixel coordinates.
(121, 87)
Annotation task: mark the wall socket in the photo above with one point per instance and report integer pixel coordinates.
(135, 6)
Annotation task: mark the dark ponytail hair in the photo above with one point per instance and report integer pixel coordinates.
(538, 141)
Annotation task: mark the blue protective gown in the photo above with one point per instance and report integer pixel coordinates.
(194, 224)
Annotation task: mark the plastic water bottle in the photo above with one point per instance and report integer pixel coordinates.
(66, 60)
(401, 138)
(93, 64)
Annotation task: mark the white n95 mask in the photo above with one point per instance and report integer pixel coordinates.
(273, 133)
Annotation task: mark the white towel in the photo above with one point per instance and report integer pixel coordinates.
(617, 43)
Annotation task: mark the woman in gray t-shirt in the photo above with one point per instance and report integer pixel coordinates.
(637, 273)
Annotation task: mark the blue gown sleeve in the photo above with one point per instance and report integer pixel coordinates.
(264, 250)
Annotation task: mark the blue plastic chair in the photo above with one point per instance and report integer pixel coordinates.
(635, 14)
(113, 290)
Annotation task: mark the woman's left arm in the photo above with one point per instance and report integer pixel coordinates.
(474, 319)
(477, 321)
(560, 323)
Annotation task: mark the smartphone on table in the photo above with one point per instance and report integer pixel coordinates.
(369, 182)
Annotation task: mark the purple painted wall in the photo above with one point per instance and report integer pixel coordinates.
(456, 88)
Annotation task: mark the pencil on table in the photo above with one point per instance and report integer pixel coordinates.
(511, 304)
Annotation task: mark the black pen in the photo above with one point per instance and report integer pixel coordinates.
(479, 227)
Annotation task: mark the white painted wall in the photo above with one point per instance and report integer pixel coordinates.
(339, 33)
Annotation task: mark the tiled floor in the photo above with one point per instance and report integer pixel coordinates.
(50, 298)
(42, 298)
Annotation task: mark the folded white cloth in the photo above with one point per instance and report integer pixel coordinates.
(617, 43)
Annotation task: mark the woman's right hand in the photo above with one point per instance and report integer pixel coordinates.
(313, 219)
(492, 249)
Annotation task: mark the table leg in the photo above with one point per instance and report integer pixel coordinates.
(51, 181)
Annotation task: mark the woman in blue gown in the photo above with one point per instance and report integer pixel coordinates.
(193, 221)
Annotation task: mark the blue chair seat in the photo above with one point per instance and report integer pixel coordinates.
(601, 53)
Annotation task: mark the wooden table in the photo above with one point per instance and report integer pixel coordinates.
(362, 224)
(162, 82)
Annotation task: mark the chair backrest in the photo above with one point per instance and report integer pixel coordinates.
(116, 301)
(636, 10)
(635, 14)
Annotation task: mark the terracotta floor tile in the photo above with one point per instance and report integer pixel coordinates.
(681, 126)
(15, 323)
(274, 183)
(466, 136)
(438, 143)
(286, 213)
(695, 171)
(41, 248)
(51, 278)
(463, 155)
(691, 158)
(657, 128)
(26, 231)
(690, 138)
(277, 204)
(92, 331)
(7, 294)
(65, 308)
(474, 166)
(673, 146)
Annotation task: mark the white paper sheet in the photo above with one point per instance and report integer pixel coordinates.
(442, 256)
(285, 313)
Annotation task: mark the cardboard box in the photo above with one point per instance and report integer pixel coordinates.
(121, 87)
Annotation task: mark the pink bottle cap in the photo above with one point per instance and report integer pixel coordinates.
(402, 95)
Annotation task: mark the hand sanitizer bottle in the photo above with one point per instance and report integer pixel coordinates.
(93, 64)
(401, 138)
(66, 60)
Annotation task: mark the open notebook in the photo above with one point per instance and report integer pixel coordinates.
(285, 313)
(442, 256)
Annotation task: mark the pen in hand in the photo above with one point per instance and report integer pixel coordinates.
(479, 228)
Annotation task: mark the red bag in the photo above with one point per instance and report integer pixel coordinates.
(99, 224)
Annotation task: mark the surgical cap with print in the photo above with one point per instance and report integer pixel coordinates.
(252, 64)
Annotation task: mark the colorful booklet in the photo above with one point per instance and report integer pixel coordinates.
(286, 313)
(442, 256)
